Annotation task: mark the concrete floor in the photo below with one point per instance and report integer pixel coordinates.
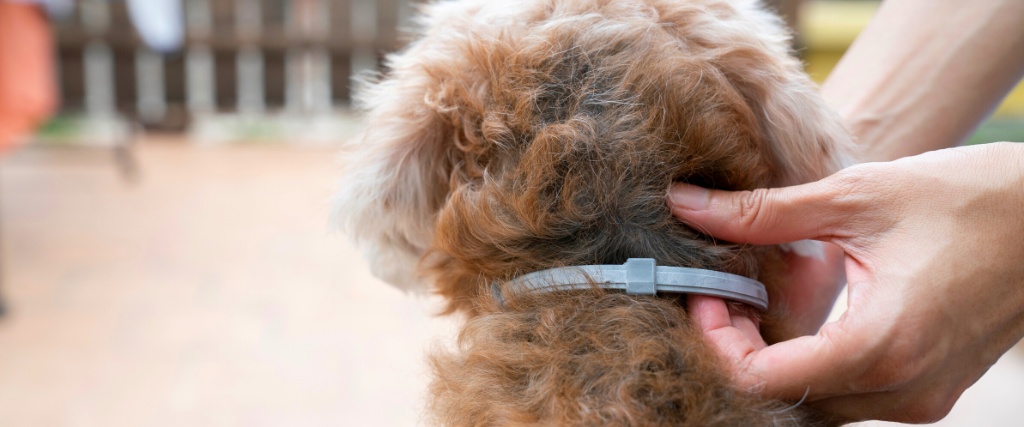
(212, 293)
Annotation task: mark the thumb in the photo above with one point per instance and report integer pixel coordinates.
(764, 216)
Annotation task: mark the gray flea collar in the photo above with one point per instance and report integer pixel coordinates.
(640, 276)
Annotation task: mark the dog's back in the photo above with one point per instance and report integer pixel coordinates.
(523, 135)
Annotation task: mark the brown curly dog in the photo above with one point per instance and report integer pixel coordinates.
(517, 136)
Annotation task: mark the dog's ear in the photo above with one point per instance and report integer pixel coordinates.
(808, 140)
(420, 140)
(396, 174)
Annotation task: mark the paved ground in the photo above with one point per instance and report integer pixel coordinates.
(212, 293)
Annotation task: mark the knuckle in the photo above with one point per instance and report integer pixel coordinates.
(857, 195)
(850, 185)
(749, 203)
(751, 206)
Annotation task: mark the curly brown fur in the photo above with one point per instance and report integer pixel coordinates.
(592, 359)
(566, 158)
(519, 136)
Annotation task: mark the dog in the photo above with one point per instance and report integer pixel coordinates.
(516, 136)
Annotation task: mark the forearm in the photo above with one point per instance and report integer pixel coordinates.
(924, 73)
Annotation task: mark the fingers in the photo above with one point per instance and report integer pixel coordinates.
(762, 216)
(788, 369)
(736, 340)
(780, 371)
(733, 335)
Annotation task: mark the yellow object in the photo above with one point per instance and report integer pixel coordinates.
(827, 28)
(1013, 105)
(832, 25)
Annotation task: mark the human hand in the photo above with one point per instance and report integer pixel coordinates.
(935, 266)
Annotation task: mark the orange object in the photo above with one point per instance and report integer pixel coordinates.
(28, 92)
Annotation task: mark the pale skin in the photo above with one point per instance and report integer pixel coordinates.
(931, 244)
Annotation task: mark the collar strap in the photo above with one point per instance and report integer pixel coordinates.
(640, 276)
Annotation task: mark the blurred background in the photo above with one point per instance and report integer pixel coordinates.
(165, 252)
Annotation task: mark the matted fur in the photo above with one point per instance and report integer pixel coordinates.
(515, 136)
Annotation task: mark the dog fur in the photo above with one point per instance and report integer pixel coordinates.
(516, 136)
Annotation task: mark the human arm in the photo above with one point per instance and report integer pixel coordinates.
(924, 73)
(920, 77)
(936, 282)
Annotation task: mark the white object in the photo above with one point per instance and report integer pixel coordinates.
(160, 23)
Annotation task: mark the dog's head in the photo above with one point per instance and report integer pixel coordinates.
(515, 136)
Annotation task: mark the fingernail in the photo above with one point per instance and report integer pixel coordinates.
(690, 197)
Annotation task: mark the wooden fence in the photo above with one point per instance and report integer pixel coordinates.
(248, 56)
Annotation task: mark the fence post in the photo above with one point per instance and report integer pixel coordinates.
(200, 68)
(363, 28)
(150, 91)
(100, 92)
(248, 24)
(308, 68)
